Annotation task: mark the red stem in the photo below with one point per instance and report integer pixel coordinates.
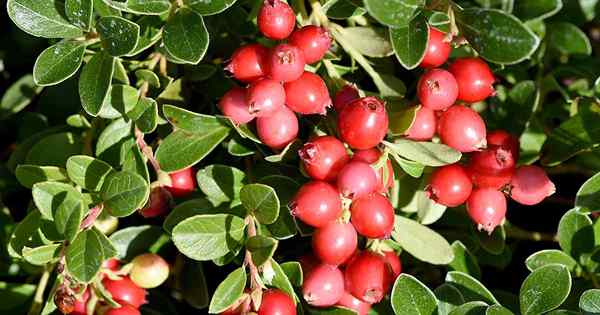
(91, 216)
(146, 150)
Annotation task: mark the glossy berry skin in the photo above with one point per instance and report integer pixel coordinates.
(276, 302)
(363, 123)
(316, 203)
(487, 208)
(357, 179)
(373, 216)
(183, 183)
(335, 242)
(279, 129)
(366, 277)
(112, 264)
(462, 129)
(125, 291)
(323, 157)
(344, 96)
(530, 185)
(450, 185)
(286, 63)
(392, 261)
(505, 140)
(437, 51)
(496, 181)
(249, 63)
(265, 97)
(123, 310)
(276, 19)
(324, 286)
(149, 270)
(158, 204)
(81, 304)
(371, 156)
(492, 167)
(349, 301)
(437, 89)
(233, 105)
(474, 77)
(314, 41)
(307, 95)
(424, 126)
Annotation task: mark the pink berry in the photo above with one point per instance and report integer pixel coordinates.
(349, 301)
(449, 185)
(335, 242)
(530, 185)
(279, 129)
(371, 156)
(316, 203)
(233, 105)
(344, 96)
(286, 63)
(505, 140)
(313, 40)
(474, 77)
(249, 63)
(125, 291)
(276, 302)
(487, 208)
(366, 277)
(80, 306)
(307, 95)
(265, 97)
(462, 129)
(363, 123)
(276, 19)
(424, 126)
(323, 157)
(324, 286)
(437, 89)
(357, 179)
(437, 51)
(393, 261)
(158, 204)
(373, 216)
(183, 183)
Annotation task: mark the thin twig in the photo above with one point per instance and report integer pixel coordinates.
(521, 234)
(38, 299)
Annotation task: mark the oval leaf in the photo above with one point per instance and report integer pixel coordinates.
(422, 242)
(42, 18)
(210, 7)
(61, 203)
(262, 201)
(18, 96)
(588, 196)
(470, 288)
(182, 149)
(410, 42)
(547, 257)
(568, 39)
(425, 153)
(84, 256)
(124, 192)
(394, 13)
(58, 62)
(80, 13)
(185, 36)
(589, 302)
(369, 41)
(228, 291)
(221, 183)
(119, 36)
(94, 82)
(410, 296)
(29, 175)
(544, 289)
(575, 233)
(87, 171)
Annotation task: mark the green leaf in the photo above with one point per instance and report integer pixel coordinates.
(29, 175)
(575, 233)
(87, 171)
(285, 187)
(193, 284)
(62, 204)
(190, 121)
(410, 42)
(124, 192)
(536, 9)
(287, 153)
(492, 243)
(470, 288)
(209, 7)
(448, 297)
(147, 121)
(80, 13)
(135, 240)
(411, 168)
(63, 145)
(187, 209)
(410, 296)
(369, 41)
(277, 277)
(293, 271)
(119, 36)
(228, 291)
(425, 153)
(42, 18)
(210, 236)
(111, 139)
(185, 36)
(84, 256)
(588, 196)
(150, 33)
(58, 62)
(422, 242)
(221, 183)
(589, 302)
(18, 96)
(121, 100)
(464, 261)
(13, 295)
(261, 248)
(23, 232)
(182, 149)
(470, 308)
(149, 7)
(498, 310)
(145, 75)
(568, 39)
(393, 13)
(547, 257)
(94, 82)
(544, 289)
(342, 9)
(41, 255)
(262, 201)
(496, 36)
(402, 120)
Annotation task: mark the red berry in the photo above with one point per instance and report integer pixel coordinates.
(490, 180)
(357, 179)
(450, 185)
(265, 97)
(344, 96)
(462, 129)
(125, 291)
(363, 123)
(504, 139)
(349, 301)
(81, 304)
(487, 208)
(324, 286)
(474, 77)
(279, 129)
(424, 126)
(249, 63)
(233, 105)
(183, 182)
(112, 264)
(437, 51)
(158, 203)
(314, 42)
(286, 63)
(392, 261)
(123, 310)
(530, 185)
(276, 19)
(149, 270)
(323, 157)
(373, 216)
(366, 277)
(371, 156)
(307, 95)
(335, 242)
(275, 302)
(316, 203)
(492, 160)
(437, 89)
(308, 262)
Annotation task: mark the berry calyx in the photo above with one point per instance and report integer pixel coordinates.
(363, 123)
(487, 208)
(357, 179)
(276, 302)
(349, 301)
(125, 291)
(183, 183)
(437, 51)
(149, 270)
(492, 167)
(276, 19)
(265, 97)
(233, 105)
(371, 156)
(80, 306)
(249, 63)
(286, 63)
(449, 185)
(372, 216)
(474, 77)
(366, 277)
(158, 204)
(424, 126)
(324, 286)
(316, 203)
(307, 95)
(437, 89)
(323, 157)
(462, 129)
(335, 242)
(125, 309)
(344, 96)
(314, 41)
(279, 129)
(530, 185)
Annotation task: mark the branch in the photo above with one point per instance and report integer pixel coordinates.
(38, 299)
